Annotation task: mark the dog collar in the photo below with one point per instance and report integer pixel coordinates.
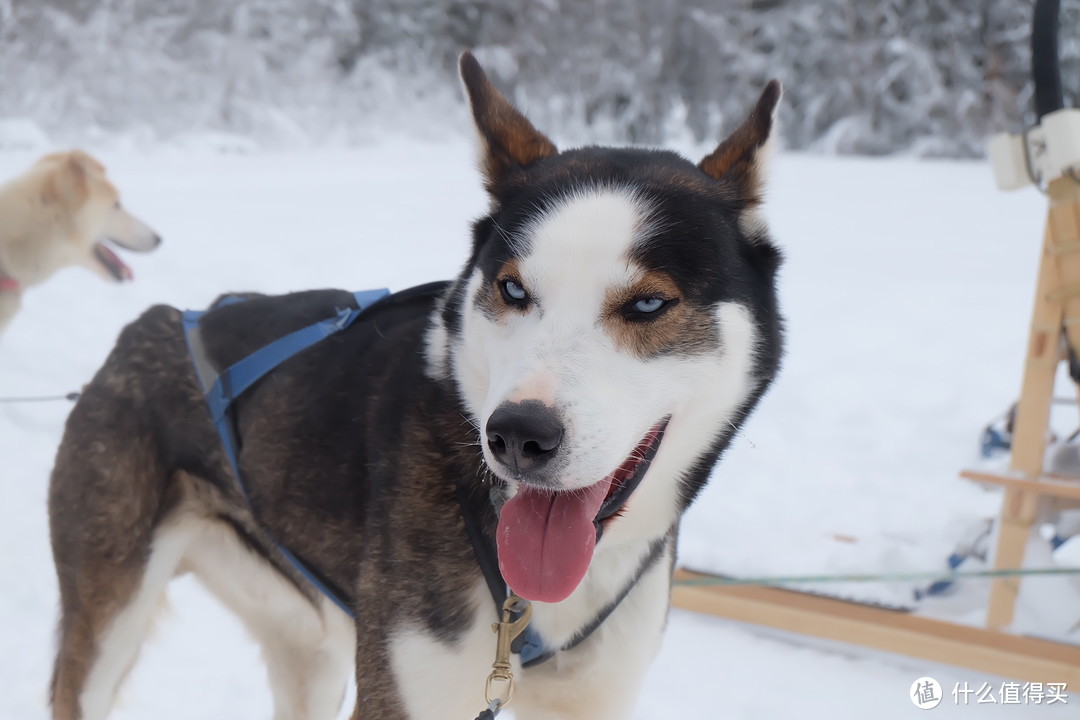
(529, 646)
(9, 284)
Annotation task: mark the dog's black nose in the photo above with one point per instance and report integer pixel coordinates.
(524, 436)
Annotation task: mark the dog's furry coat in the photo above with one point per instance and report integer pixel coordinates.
(616, 304)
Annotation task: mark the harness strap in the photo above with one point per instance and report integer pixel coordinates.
(246, 372)
(221, 389)
(656, 549)
(529, 646)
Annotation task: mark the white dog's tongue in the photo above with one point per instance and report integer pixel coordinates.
(546, 540)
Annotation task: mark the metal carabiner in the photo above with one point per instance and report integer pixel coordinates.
(507, 630)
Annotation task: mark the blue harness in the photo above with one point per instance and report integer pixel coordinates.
(221, 389)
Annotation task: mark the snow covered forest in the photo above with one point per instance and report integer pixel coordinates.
(862, 76)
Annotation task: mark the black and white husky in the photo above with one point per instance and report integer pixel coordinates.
(563, 400)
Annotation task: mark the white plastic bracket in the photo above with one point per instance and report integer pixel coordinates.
(1044, 153)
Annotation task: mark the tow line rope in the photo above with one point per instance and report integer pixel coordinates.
(767, 580)
(72, 396)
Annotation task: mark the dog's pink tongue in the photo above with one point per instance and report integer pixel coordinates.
(546, 540)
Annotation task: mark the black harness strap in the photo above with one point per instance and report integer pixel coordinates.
(656, 549)
(529, 646)
(486, 555)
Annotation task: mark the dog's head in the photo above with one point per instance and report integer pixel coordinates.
(88, 208)
(615, 322)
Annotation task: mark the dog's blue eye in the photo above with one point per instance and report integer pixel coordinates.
(648, 305)
(647, 309)
(513, 291)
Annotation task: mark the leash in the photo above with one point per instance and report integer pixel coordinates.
(489, 712)
(773, 580)
(72, 396)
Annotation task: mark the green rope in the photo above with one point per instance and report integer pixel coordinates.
(885, 577)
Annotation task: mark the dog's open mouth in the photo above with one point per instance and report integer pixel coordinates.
(112, 263)
(546, 539)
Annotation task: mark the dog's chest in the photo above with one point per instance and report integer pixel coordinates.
(437, 679)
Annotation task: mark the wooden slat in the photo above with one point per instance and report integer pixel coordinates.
(1042, 486)
(989, 651)
(1056, 271)
(1065, 223)
(1044, 342)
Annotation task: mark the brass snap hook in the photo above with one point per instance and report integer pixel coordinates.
(500, 683)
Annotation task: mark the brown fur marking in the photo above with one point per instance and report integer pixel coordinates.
(682, 328)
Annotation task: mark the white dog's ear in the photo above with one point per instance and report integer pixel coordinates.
(741, 158)
(508, 141)
(68, 183)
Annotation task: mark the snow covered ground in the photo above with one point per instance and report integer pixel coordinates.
(907, 290)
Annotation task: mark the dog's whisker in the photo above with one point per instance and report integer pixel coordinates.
(748, 440)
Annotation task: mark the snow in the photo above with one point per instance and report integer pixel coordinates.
(904, 76)
(907, 290)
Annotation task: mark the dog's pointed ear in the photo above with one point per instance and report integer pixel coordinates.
(86, 162)
(508, 141)
(741, 158)
(67, 183)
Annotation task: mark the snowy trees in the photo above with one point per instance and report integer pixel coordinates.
(860, 75)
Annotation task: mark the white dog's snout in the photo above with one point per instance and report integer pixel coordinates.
(129, 232)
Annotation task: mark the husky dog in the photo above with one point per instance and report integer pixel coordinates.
(63, 211)
(566, 397)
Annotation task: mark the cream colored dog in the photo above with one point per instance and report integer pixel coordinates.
(61, 212)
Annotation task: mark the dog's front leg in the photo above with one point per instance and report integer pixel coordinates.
(378, 696)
